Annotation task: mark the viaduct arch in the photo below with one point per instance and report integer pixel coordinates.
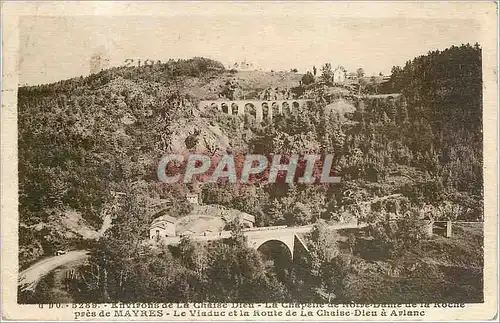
(260, 109)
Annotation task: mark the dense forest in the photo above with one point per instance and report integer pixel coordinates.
(76, 148)
(444, 91)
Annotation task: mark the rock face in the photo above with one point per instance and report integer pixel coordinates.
(128, 119)
(341, 107)
(199, 137)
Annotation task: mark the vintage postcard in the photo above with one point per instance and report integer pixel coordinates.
(249, 161)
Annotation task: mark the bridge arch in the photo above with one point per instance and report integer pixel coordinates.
(265, 110)
(257, 108)
(286, 109)
(295, 108)
(251, 109)
(234, 109)
(275, 109)
(272, 247)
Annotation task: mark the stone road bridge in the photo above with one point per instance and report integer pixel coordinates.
(260, 109)
(257, 237)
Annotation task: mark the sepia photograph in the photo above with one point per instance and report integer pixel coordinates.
(228, 159)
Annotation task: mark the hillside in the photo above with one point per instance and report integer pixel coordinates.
(82, 141)
(122, 119)
(427, 271)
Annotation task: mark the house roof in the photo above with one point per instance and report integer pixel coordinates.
(157, 225)
(162, 213)
(340, 68)
(164, 218)
(248, 217)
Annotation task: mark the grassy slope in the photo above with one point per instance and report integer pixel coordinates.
(207, 218)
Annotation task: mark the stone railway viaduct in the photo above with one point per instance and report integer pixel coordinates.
(260, 109)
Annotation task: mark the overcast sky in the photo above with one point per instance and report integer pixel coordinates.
(55, 48)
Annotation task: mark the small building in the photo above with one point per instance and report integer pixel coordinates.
(352, 76)
(162, 226)
(193, 198)
(339, 74)
(99, 61)
(247, 220)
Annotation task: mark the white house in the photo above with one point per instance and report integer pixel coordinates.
(193, 198)
(339, 74)
(247, 220)
(162, 226)
(98, 62)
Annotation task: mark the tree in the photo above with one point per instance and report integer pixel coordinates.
(327, 267)
(360, 72)
(374, 84)
(362, 85)
(275, 213)
(314, 70)
(351, 242)
(299, 215)
(322, 247)
(397, 238)
(237, 273)
(326, 72)
(192, 255)
(307, 78)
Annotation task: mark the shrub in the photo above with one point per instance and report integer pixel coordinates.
(307, 78)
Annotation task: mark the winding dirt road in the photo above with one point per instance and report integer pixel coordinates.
(29, 278)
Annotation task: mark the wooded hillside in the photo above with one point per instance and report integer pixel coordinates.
(82, 140)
